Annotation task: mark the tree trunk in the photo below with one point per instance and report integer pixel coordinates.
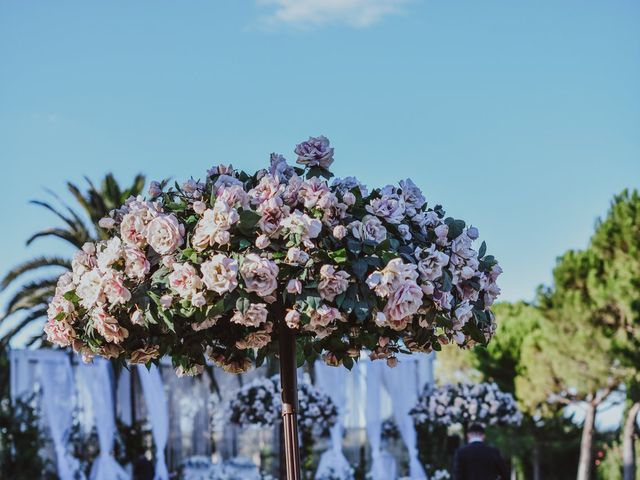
(289, 382)
(535, 460)
(628, 443)
(585, 465)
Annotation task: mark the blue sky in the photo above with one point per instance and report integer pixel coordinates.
(523, 118)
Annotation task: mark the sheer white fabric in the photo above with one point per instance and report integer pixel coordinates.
(158, 413)
(373, 372)
(58, 387)
(332, 380)
(99, 378)
(401, 383)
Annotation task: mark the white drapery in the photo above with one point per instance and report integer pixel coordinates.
(158, 413)
(332, 380)
(99, 378)
(56, 376)
(401, 383)
(373, 416)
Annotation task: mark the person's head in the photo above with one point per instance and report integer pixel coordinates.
(475, 432)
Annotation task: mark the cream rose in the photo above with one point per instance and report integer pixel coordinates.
(185, 280)
(165, 234)
(220, 274)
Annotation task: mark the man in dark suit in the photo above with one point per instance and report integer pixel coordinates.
(477, 460)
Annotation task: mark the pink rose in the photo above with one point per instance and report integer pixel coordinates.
(59, 332)
(133, 228)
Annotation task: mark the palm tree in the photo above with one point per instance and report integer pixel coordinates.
(29, 303)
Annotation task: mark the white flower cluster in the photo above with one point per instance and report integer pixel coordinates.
(466, 403)
(258, 404)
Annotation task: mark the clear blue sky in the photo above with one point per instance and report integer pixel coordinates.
(520, 117)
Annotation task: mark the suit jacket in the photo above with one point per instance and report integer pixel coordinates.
(479, 461)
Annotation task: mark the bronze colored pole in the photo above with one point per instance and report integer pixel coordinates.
(289, 384)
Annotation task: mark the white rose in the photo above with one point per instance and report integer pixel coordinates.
(90, 289)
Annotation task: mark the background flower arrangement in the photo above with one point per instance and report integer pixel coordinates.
(466, 403)
(209, 268)
(258, 404)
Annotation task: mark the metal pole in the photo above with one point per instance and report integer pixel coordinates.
(289, 384)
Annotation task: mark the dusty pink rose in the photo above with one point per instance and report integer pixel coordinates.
(133, 228)
(199, 207)
(324, 315)
(262, 241)
(254, 340)
(114, 289)
(192, 371)
(340, 231)
(404, 302)
(255, 315)
(292, 319)
(60, 309)
(59, 332)
(332, 282)
(294, 286)
(207, 323)
(260, 274)
(136, 263)
(137, 317)
(166, 301)
(107, 326)
(165, 234)
(144, 355)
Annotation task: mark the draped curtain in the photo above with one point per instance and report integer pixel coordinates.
(401, 383)
(332, 380)
(373, 417)
(158, 413)
(98, 377)
(57, 401)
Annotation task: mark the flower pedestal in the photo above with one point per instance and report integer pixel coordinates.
(288, 379)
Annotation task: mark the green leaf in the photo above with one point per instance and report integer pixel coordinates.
(339, 256)
(248, 219)
(483, 250)
(447, 280)
(456, 227)
(243, 304)
(360, 268)
(72, 296)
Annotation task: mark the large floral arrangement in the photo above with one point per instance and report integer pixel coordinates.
(466, 403)
(209, 268)
(258, 403)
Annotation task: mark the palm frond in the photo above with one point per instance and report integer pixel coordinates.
(135, 189)
(30, 266)
(31, 294)
(30, 317)
(61, 233)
